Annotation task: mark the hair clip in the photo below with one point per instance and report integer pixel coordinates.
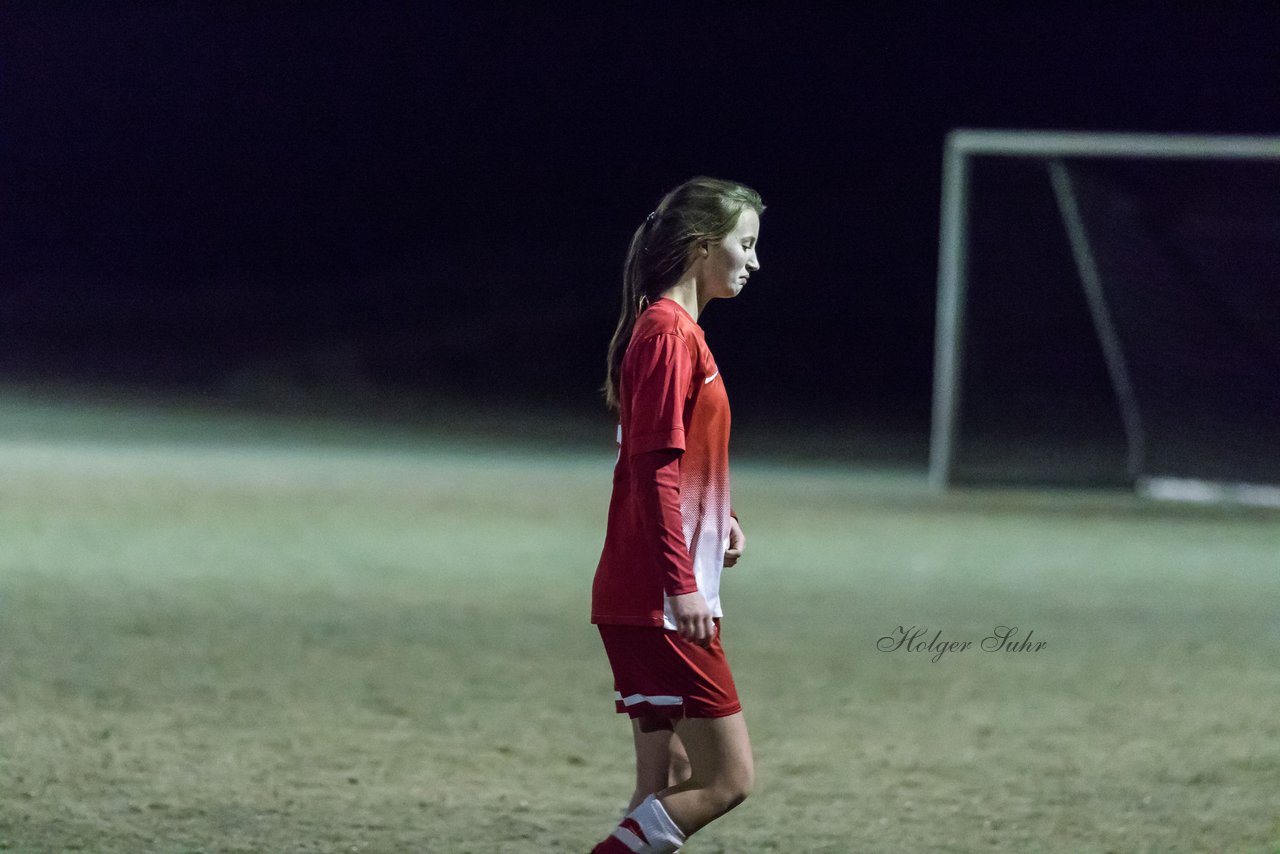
(651, 217)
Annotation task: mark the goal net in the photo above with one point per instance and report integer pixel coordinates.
(1109, 313)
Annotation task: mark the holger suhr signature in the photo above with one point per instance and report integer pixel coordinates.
(916, 639)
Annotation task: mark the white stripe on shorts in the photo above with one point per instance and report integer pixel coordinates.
(655, 700)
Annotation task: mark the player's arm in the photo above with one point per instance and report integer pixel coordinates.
(660, 369)
(737, 541)
(657, 479)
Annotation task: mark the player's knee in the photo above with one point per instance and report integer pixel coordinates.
(734, 787)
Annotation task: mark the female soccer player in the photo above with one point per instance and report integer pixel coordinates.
(656, 596)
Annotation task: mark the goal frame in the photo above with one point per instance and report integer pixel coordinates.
(962, 145)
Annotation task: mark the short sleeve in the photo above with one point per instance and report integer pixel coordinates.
(658, 372)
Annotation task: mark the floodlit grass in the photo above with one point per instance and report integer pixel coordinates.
(290, 645)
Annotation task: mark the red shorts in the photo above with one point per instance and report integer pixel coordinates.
(657, 673)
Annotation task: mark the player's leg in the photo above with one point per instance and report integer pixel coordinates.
(720, 757)
(661, 760)
(678, 762)
(723, 771)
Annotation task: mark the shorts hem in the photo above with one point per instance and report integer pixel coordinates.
(715, 713)
(677, 714)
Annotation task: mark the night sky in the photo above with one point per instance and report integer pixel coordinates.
(438, 196)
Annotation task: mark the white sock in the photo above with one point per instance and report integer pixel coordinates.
(648, 829)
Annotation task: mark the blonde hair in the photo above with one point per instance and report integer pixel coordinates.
(698, 211)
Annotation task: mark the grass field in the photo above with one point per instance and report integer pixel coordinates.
(230, 636)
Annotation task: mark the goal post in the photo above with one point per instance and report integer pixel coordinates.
(1102, 281)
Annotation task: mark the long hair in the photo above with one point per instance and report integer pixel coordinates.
(699, 210)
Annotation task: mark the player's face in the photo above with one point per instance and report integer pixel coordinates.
(731, 260)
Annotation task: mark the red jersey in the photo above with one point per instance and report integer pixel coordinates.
(671, 397)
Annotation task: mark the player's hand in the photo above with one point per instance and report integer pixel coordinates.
(693, 618)
(737, 543)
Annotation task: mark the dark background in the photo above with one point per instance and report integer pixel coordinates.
(311, 204)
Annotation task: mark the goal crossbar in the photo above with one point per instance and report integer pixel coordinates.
(1094, 144)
